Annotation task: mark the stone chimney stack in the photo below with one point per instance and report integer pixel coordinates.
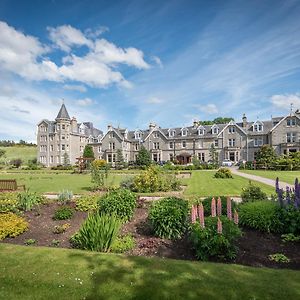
(151, 126)
(195, 123)
(244, 121)
(109, 127)
(74, 125)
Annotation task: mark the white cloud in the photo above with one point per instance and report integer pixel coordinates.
(85, 102)
(284, 101)
(74, 87)
(66, 36)
(157, 60)
(25, 56)
(154, 100)
(209, 108)
(94, 33)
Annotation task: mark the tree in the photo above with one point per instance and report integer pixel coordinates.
(218, 120)
(265, 156)
(88, 152)
(143, 158)
(120, 163)
(213, 154)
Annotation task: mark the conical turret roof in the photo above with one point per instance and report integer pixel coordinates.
(63, 113)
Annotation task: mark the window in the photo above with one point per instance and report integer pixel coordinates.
(215, 130)
(291, 122)
(81, 148)
(183, 144)
(231, 142)
(99, 149)
(171, 156)
(201, 156)
(63, 126)
(156, 134)
(63, 147)
(137, 135)
(201, 131)
(258, 142)
(291, 137)
(156, 145)
(112, 146)
(57, 159)
(216, 143)
(136, 147)
(51, 159)
(258, 127)
(51, 138)
(156, 157)
(184, 132)
(43, 148)
(62, 137)
(171, 145)
(171, 133)
(51, 148)
(109, 158)
(231, 129)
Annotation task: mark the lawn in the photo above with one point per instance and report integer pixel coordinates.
(49, 273)
(203, 183)
(58, 181)
(23, 152)
(284, 176)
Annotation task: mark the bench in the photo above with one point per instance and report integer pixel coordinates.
(7, 185)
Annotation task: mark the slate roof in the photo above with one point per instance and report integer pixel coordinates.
(63, 113)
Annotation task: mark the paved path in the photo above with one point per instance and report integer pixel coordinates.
(264, 180)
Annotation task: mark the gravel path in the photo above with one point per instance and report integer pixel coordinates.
(264, 180)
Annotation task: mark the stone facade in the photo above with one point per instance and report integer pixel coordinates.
(235, 141)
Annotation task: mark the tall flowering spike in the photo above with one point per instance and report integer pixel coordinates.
(236, 217)
(277, 185)
(297, 194)
(229, 209)
(213, 207)
(219, 228)
(201, 215)
(193, 214)
(288, 196)
(219, 207)
(280, 197)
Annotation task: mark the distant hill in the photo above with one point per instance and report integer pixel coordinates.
(23, 152)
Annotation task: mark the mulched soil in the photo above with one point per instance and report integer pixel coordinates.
(41, 226)
(254, 247)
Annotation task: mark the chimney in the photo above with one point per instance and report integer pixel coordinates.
(195, 123)
(109, 127)
(151, 126)
(74, 125)
(244, 121)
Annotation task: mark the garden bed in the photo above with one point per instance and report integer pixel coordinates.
(254, 246)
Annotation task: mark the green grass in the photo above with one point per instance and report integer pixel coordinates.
(57, 181)
(203, 183)
(23, 152)
(46, 273)
(284, 176)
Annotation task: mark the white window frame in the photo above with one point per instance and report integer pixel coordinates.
(291, 137)
(231, 143)
(183, 146)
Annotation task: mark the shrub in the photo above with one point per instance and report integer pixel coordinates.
(207, 205)
(279, 258)
(87, 203)
(30, 242)
(55, 243)
(290, 237)
(127, 183)
(120, 202)
(253, 193)
(16, 162)
(61, 228)
(65, 197)
(168, 217)
(209, 243)
(223, 173)
(11, 225)
(63, 213)
(261, 215)
(289, 216)
(154, 179)
(8, 202)
(97, 233)
(123, 244)
(27, 200)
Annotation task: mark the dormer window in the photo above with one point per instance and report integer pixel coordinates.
(184, 132)
(171, 132)
(137, 135)
(291, 122)
(156, 134)
(215, 129)
(201, 130)
(257, 126)
(231, 129)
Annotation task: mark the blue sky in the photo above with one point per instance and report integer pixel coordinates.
(128, 63)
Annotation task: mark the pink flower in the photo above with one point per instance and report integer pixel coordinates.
(236, 217)
(229, 212)
(219, 207)
(193, 214)
(213, 207)
(201, 215)
(220, 229)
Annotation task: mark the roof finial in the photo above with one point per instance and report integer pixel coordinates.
(291, 105)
